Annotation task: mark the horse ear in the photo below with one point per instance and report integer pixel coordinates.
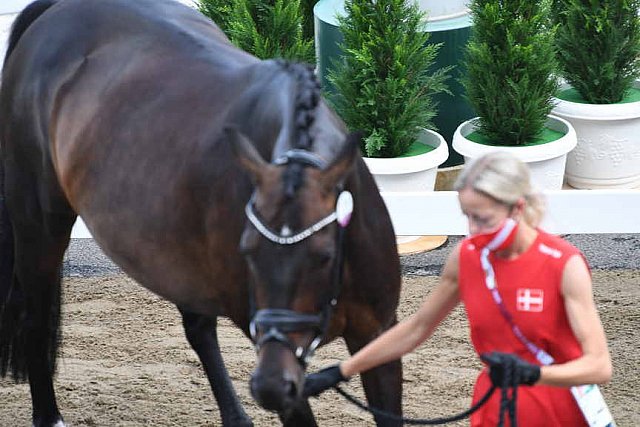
(245, 152)
(343, 163)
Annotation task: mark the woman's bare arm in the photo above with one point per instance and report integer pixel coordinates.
(413, 331)
(594, 366)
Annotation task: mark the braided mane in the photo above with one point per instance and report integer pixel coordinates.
(306, 101)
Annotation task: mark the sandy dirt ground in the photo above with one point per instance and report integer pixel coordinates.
(125, 361)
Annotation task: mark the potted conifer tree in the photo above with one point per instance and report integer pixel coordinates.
(265, 28)
(598, 46)
(383, 86)
(306, 9)
(510, 82)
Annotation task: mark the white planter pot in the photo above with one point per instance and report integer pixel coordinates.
(546, 161)
(439, 10)
(415, 173)
(608, 150)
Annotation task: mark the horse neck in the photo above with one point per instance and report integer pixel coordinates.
(264, 110)
(284, 103)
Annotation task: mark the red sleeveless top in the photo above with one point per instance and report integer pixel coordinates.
(530, 287)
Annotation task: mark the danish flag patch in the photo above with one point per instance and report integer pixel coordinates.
(530, 300)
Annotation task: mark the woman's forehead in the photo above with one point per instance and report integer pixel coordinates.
(472, 199)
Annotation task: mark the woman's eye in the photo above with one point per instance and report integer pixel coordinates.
(483, 221)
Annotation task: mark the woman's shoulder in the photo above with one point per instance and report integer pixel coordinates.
(555, 247)
(465, 245)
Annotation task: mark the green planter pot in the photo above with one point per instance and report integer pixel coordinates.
(452, 30)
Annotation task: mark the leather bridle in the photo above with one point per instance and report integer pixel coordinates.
(273, 324)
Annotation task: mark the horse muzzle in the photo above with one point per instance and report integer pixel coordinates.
(276, 384)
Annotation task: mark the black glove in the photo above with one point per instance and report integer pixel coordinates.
(506, 369)
(316, 383)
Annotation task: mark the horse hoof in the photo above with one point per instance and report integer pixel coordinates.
(59, 423)
(239, 422)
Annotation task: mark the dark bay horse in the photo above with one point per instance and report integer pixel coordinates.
(209, 176)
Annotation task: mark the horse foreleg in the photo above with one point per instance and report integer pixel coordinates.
(382, 385)
(202, 334)
(301, 415)
(383, 388)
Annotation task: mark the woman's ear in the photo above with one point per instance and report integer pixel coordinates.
(517, 210)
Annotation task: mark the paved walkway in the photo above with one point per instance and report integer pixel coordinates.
(604, 252)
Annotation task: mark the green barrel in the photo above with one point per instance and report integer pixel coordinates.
(327, 36)
(453, 33)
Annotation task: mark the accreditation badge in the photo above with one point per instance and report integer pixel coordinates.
(593, 407)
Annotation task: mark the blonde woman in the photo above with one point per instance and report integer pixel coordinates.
(528, 298)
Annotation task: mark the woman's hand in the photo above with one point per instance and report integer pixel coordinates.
(506, 369)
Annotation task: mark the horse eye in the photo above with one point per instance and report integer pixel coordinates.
(322, 259)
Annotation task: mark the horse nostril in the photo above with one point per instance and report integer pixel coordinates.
(291, 390)
(253, 387)
(273, 394)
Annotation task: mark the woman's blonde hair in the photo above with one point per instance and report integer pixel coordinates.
(501, 176)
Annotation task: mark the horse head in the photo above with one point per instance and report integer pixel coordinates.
(292, 242)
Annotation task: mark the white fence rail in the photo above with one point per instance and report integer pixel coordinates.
(568, 212)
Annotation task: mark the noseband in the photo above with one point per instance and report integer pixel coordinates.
(276, 323)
